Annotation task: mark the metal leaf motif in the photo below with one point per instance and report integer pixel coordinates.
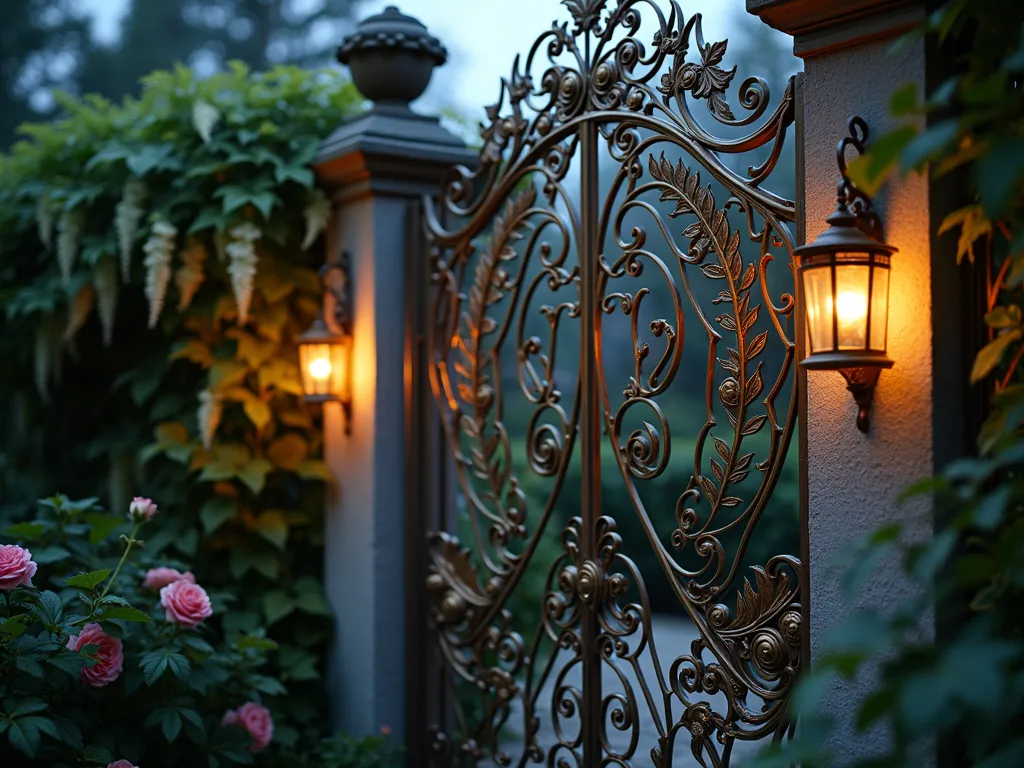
(754, 604)
(586, 14)
(606, 76)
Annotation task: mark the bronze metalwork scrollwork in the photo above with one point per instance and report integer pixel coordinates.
(619, 80)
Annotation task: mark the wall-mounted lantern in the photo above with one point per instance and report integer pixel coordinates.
(325, 353)
(844, 277)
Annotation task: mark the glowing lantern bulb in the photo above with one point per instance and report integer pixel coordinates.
(320, 368)
(851, 307)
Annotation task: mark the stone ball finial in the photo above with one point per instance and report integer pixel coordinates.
(391, 57)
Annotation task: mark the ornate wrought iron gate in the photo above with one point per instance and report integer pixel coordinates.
(583, 678)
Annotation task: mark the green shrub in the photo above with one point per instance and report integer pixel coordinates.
(92, 667)
(141, 351)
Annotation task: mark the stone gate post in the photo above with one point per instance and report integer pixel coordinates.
(921, 416)
(376, 169)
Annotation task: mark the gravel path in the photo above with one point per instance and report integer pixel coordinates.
(673, 636)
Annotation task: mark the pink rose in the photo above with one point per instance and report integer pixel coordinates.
(16, 567)
(256, 719)
(141, 509)
(185, 603)
(109, 659)
(161, 577)
(122, 764)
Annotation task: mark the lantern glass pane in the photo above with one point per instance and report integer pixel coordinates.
(318, 369)
(340, 369)
(852, 304)
(818, 306)
(879, 308)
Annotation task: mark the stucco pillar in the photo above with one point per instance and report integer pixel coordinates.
(376, 169)
(852, 480)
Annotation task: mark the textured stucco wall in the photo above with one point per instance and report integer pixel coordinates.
(854, 479)
(364, 529)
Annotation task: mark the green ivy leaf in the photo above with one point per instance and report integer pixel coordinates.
(999, 174)
(97, 755)
(126, 613)
(313, 603)
(314, 469)
(71, 662)
(48, 555)
(68, 732)
(14, 626)
(24, 735)
(272, 526)
(209, 218)
(25, 531)
(246, 642)
(217, 511)
(276, 605)
(869, 171)
(88, 581)
(29, 666)
(302, 176)
(153, 665)
(196, 643)
(49, 609)
(153, 157)
(904, 100)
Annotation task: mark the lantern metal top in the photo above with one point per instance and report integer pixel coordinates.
(319, 333)
(853, 227)
(843, 235)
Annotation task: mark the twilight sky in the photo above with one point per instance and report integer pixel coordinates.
(482, 37)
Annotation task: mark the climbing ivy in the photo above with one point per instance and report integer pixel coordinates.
(157, 261)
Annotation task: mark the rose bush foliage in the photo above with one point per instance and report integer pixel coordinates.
(97, 666)
(157, 261)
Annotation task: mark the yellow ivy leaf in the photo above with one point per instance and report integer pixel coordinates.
(254, 474)
(288, 451)
(295, 418)
(272, 526)
(170, 433)
(282, 375)
(226, 373)
(990, 355)
(258, 412)
(314, 469)
(973, 225)
(236, 394)
(272, 287)
(252, 350)
(195, 351)
(271, 321)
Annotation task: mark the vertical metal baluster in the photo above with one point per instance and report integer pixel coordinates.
(590, 426)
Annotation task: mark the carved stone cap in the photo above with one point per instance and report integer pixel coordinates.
(392, 30)
(391, 57)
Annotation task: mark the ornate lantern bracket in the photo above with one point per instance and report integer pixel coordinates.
(844, 278)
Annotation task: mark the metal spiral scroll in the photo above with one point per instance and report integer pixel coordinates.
(627, 77)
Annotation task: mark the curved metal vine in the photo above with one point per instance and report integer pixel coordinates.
(515, 235)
